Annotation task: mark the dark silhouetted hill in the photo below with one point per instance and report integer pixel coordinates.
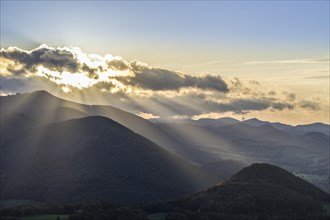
(93, 158)
(260, 190)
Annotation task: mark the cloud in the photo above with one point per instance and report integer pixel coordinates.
(293, 61)
(272, 93)
(309, 105)
(317, 77)
(193, 104)
(138, 87)
(161, 79)
(60, 59)
(289, 96)
(63, 64)
(245, 105)
(118, 65)
(147, 115)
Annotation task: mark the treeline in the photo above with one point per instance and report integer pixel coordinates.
(21, 211)
(190, 215)
(106, 211)
(88, 211)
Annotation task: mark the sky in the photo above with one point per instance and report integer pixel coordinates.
(205, 58)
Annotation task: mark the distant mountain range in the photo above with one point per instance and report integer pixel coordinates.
(302, 149)
(220, 122)
(55, 150)
(298, 129)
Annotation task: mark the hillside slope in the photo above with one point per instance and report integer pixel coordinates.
(44, 108)
(93, 158)
(258, 190)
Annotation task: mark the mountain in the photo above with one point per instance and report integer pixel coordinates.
(92, 158)
(303, 129)
(319, 140)
(316, 127)
(205, 145)
(255, 122)
(308, 156)
(40, 106)
(281, 126)
(267, 173)
(216, 122)
(262, 132)
(44, 108)
(298, 129)
(260, 190)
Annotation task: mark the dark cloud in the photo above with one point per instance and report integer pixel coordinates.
(161, 79)
(104, 86)
(53, 59)
(236, 85)
(243, 105)
(282, 105)
(154, 79)
(191, 104)
(271, 93)
(309, 105)
(236, 82)
(291, 96)
(246, 105)
(118, 65)
(207, 82)
(144, 77)
(92, 72)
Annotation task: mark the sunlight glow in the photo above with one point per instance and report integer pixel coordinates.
(78, 80)
(65, 89)
(147, 115)
(93, 68)
(81, 80)
(7, 66)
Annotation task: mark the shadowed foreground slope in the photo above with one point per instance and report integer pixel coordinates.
(92, 158)
(258, 190)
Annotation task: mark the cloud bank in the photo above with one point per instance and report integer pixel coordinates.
(86, 70)
(149, 91)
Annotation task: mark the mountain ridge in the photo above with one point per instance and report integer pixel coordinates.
(260, 189)
(94, 158)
